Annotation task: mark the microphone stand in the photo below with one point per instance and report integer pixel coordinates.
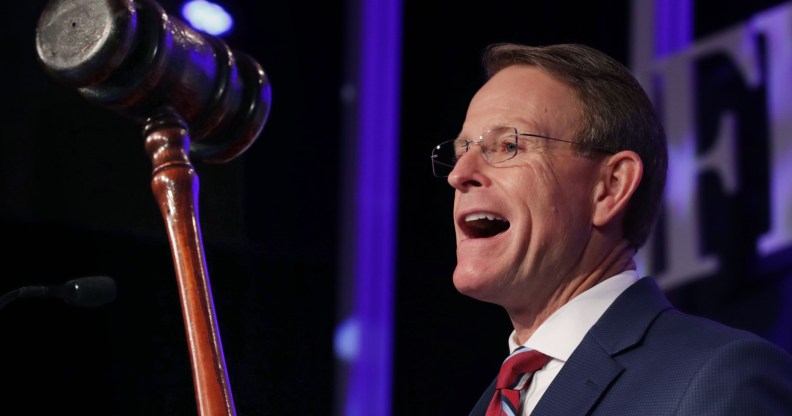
(175, 186)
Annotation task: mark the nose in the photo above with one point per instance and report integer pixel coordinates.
(469, 171)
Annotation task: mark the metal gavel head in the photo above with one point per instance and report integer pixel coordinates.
(131, 57)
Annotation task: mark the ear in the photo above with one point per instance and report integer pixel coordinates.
(619, 178)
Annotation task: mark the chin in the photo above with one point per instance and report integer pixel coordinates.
(474, 284)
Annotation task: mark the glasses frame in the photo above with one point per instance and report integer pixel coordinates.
(517, 136)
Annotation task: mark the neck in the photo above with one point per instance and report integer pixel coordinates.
(527, 320)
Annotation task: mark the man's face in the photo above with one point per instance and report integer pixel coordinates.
(543, 198)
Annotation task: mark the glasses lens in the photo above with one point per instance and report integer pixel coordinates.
(500, 144)
(445, 156)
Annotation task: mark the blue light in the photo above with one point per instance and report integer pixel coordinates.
(208, 17)
(347, 340)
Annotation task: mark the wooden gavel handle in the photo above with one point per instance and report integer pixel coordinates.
(175, 187)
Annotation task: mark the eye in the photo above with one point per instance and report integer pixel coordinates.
(508, 145)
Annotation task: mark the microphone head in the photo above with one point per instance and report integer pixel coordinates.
(89, 291)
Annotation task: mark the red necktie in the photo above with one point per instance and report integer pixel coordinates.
(515, 374)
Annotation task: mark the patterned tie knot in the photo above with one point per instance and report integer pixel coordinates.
(515, 373)
(518, 368)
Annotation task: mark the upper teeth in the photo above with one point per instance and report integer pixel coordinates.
(481, 216)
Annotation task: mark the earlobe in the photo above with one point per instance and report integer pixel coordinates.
(620, 176)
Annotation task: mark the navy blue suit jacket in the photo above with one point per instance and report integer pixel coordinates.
(643, 357)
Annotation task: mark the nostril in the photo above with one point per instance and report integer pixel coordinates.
(473, 182)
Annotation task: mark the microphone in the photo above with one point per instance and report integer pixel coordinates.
(87, 292)
(133, 58)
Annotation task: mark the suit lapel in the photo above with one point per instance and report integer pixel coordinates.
(592, 368)
(581, 382)
(480, 409)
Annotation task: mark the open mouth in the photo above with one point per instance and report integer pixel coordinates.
(483, 225)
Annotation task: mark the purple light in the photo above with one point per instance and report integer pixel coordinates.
(368, 385)
(674, 26)
(207, 17)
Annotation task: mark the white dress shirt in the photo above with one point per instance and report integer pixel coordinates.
(561, 333)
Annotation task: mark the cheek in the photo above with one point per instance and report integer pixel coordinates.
(552, 200)
(537, 188)
(453, 216)
(570, 213)
(566, 184)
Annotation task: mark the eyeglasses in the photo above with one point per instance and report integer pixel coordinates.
(497, 146)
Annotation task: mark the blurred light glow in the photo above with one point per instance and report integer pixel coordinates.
(347, 339)
(207, 17)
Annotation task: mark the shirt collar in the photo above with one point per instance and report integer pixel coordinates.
(560, 334)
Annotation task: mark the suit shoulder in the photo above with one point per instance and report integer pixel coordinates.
(705, 334)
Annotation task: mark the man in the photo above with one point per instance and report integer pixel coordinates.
(559, 173)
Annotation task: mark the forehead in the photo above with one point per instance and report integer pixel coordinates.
(525, 97)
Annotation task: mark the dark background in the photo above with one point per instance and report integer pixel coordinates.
(76, 202)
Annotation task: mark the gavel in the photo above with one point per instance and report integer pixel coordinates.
(131, 57)
(195, 97)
